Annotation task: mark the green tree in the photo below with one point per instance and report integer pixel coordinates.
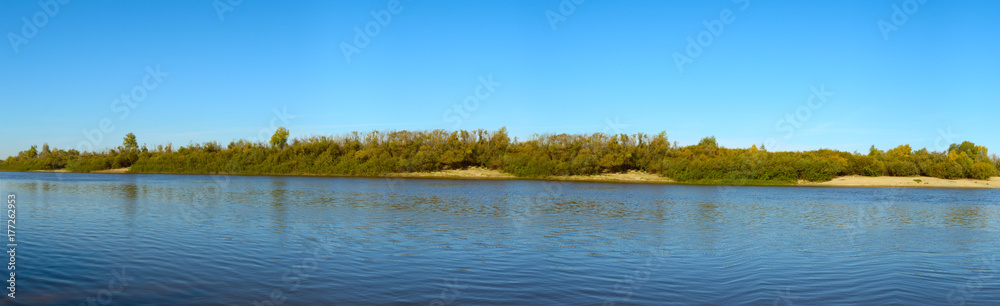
(129, 142)
(280, 138)
(876, 153)
(30, 153)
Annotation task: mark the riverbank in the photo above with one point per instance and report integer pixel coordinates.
(51, 171)
(643, 177)
(648, 178)
(118, 170)
(483, 173)
(905, 181)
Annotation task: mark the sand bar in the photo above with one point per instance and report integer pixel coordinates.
(905, 181)
(643, 177)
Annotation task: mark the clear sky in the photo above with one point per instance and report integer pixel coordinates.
(888, 72)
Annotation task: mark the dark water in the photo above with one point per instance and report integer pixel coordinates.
(165, 239)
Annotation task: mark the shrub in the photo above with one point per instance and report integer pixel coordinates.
(378, 153)
(947, 169)
(982, 171)
(869, 166)
(901, 168)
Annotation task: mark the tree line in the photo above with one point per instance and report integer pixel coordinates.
(382, 152)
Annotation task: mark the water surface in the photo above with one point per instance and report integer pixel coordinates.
(173, 239)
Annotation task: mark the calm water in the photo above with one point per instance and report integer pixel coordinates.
(167, 239)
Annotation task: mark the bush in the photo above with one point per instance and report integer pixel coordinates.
(872, 167)
(901, 168)
(947, 169)
(379, 153)
(982, 171)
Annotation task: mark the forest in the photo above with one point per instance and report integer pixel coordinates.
(378, 153)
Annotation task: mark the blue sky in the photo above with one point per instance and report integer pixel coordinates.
(235, 72)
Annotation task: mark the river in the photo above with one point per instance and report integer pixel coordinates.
(263, 240)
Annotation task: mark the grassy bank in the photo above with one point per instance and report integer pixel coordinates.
(386, 153)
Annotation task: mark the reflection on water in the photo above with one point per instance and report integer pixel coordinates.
(240, 240)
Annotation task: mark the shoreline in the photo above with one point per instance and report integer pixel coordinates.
(635, 177)
(905, 182)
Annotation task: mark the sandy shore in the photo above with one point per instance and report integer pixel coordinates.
(910, 181)
(630, 177)
(643, 177)
(119, 170)
(471, 173)
(483, 173)
(55, 171)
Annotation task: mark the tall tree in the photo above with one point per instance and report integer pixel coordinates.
(280, 138)
(130, 143)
